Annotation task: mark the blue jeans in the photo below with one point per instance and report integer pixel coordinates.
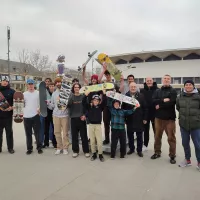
(195, 135)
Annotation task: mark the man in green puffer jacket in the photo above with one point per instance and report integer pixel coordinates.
(188, 105)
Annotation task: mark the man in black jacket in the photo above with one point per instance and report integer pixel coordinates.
(136, 121)
(164, 100)
(149, 89)
(6, 116)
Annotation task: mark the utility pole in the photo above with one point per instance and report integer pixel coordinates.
(8, 37)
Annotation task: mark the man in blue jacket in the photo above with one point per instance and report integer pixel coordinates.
(6, 116)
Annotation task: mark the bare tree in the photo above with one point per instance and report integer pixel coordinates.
(24, 58)
(39, 61)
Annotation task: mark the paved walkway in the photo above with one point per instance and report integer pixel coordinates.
(50, 177)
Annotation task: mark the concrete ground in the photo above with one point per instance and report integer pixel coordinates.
(50, 177)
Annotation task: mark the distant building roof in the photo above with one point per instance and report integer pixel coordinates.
(160, 54)
(19, 68)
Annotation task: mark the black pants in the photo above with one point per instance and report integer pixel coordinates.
(29, 124)
(48, 122)
(7, 124)
(106, 121)
(118, 135)
(131, 141)
(77, 125)
(146, 131)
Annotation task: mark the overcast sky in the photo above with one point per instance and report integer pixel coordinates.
(74, 27)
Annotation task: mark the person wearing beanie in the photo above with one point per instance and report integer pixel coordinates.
(94, 113)
(6, 116)
(118, 126)
(60, 121)
(188, 105)
(164, 100)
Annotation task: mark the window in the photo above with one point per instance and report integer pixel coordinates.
(192, 56)
(187, 78)
(120, 62)
(172, 57)
(157, 80)
(140, 81)
(153, 59)
(176, 80)
(197, 79)
(136, 60)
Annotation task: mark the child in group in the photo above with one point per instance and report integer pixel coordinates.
(118, 126)
(94, 112)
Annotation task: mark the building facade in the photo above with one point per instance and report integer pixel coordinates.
(180, 64)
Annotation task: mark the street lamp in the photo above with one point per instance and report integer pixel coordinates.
(8, 37)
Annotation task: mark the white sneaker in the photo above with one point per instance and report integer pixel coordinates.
(144, 148)
(65, 151)
(185, 163)
(58, 152)
(74, 155)
(87, 155)
(198, 166)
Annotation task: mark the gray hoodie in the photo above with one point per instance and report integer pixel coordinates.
(53, 105)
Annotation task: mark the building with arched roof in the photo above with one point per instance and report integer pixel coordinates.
(181, 64)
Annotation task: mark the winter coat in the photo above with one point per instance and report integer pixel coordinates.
(148, 94)
(166, 110)
(188, 106)
(135, 121)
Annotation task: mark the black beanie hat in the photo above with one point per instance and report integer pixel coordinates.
(189, 81)
(115, 100)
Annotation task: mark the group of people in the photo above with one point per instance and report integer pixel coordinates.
(157, 107)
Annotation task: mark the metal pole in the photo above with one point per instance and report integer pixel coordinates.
(92, 65)
(8, 36)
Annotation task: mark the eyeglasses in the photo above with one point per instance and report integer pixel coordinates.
(77, 87)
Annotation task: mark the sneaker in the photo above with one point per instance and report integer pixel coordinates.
(65, 151)
(11, 151)
(122, 156)
(40, 151)
(45, 145)
(106, 142)
(29, 152)
(101, 158)
(155, 156)
(112, 157)
(185, 163)
(74, 155)
(172, 160)
(140, 154)
(198, 166)
(144, 148)
(87, 155)
(94, 156)
(130, 152)
(58, 152)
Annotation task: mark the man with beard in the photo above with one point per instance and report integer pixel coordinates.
(60, 121)
(6, 116)
(149, 89)
(164, 100)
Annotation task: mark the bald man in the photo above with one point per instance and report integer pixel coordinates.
(135, 122)
(149, 89)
